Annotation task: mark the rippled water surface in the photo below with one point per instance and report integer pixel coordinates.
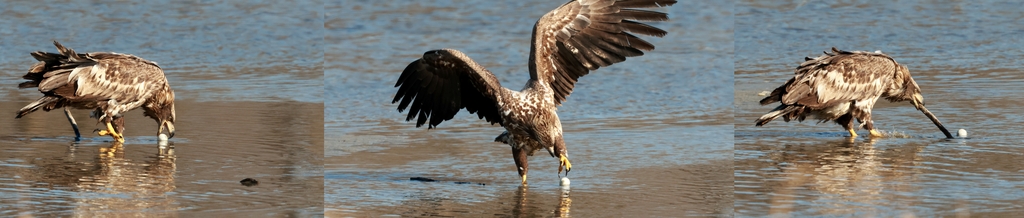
(651, 135)
(247, 78)
(963, 54)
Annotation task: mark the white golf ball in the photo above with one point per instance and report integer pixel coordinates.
(962, 133)
(565, 181)
(162, 137)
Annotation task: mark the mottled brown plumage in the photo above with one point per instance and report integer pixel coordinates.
(110, 83)
(842, 86)
(567, 43)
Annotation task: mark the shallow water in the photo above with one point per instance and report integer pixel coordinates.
(630, 128)
(962, 54)
(247, 78)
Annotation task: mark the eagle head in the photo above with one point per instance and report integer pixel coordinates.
(162, 110)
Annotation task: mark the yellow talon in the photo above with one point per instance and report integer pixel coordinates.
(876, 133)
(564, 162)
(110, 131)
(853, 133)
(524, 179)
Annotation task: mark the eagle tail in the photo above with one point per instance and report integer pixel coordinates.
(782, 110)
(48, 101)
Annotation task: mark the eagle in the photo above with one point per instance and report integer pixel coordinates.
(844, 85)
(568, 42)
(106, 82)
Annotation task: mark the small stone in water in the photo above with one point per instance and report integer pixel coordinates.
(962, 133)
(162, 137)
(565, 181)
(249, 182)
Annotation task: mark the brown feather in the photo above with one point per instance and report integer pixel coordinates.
(594, 34)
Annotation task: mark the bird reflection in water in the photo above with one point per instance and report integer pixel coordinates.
(123, 185)
(523, 209)
(563, 202)
(848, 170)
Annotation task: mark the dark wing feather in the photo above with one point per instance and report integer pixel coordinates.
(581, 36)
(434, 88)
(837, 77)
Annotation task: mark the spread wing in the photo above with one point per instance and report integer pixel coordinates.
(581, 36)
(443, 82)
(837, 77)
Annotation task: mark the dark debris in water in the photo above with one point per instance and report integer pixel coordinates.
(424, 179)
(249, 182)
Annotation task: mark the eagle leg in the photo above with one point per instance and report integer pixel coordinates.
(847, 122)
(519, 154)
(74, 125)
(564, 162)
(110, 131)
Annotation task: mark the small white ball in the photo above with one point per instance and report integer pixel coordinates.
(962, 133)
(565, 181)
(162, 137)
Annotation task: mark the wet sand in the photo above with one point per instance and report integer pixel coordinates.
(687, 190)
(216, 145)
(369, 172)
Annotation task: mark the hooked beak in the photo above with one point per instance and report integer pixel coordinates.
(519, 156)
(168, 126)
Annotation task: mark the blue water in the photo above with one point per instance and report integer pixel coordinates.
(210, 50)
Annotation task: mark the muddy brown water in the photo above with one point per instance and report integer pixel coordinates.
(651, 135)
(960, 53)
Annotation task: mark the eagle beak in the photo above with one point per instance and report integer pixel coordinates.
(168, 126)
(519, 156)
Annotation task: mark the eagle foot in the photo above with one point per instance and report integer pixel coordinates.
(876, 133)
(564, 162)
(110, 131)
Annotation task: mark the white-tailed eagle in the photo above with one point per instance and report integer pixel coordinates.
(110, 83)
(842, 86)
(568, 42)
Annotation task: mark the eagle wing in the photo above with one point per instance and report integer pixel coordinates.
(84, 80)
(121, 77)
(581, 36)
(443, 82)
(835, 78)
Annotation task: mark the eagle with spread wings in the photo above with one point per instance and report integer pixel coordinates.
(106, 82)
(568, 42)
(842, 86)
